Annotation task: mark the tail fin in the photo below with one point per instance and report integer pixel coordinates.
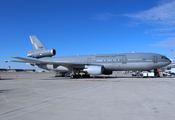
(37, 45)
(39, 50)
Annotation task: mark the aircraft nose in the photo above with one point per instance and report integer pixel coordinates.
(169, 61)
(166, 62)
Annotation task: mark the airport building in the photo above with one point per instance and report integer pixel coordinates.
(17, 70)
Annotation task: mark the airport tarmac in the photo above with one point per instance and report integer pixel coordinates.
(45, 97)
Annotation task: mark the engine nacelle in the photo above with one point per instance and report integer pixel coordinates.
(41, 53)
(94, 70)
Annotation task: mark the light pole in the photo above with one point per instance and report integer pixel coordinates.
(171, 55)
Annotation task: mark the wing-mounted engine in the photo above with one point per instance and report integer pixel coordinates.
(94, 70)
(41, 53)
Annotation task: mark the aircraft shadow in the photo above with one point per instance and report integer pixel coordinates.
(6, 79)
(4, 91)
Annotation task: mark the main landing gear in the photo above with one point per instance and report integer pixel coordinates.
(80, 76)
(60, 74)
(76, 74)
(156, 73)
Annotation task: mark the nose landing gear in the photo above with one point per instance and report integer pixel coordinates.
(156, 73)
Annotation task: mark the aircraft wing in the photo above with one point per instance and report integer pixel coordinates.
(62, 63)
(25, 60)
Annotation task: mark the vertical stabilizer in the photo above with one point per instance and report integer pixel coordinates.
(37, 45)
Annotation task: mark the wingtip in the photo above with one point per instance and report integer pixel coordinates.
(14, 56)
(8, 61)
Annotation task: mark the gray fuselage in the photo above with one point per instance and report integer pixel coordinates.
(113, 62)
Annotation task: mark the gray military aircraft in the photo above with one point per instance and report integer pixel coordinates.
(91, 64)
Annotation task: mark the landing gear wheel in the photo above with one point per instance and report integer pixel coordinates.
(72, 76)
(156, 74)
(78, 76)
(85, 76)
(75, 76)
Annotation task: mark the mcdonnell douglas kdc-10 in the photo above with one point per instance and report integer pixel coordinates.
(91, 64)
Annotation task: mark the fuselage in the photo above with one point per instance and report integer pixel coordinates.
(114, 62)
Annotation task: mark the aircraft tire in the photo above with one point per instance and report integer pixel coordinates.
(72, 76)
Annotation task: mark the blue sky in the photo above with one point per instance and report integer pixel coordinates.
(86, 27)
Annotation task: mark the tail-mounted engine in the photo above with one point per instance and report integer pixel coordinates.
(41, 53)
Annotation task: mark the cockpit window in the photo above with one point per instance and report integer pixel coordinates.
(163, 57)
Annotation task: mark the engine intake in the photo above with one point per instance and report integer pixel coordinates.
(41, 53)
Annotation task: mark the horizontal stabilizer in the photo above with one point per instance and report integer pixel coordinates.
(25, 59)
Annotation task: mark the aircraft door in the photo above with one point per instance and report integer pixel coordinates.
(88, 60)
(155, 59)
(124, 60)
